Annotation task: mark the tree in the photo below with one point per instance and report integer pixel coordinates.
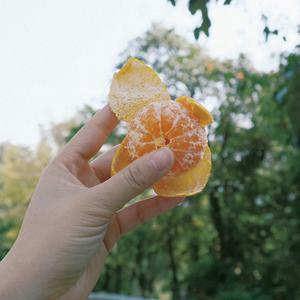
(20, 169)
(224, 242)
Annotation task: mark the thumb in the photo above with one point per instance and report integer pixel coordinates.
(134, 179)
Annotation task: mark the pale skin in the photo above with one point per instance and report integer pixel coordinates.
(76, 215)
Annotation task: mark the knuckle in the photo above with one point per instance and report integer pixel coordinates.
(136, 177)
(98, 205)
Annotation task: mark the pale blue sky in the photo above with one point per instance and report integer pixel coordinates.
(57, 55)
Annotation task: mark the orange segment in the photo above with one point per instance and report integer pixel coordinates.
(133, 87)
(189, 183)
(145, 145)
(181, 133)
(149, 121)
(196, 110)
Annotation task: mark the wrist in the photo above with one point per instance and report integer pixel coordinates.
(17, 279)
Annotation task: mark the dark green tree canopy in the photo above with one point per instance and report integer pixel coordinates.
(202, 6)
(225, 242)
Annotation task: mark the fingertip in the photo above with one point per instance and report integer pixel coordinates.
(108, 109)
(162, 159)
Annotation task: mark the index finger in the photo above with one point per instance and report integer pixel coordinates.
(89, 139)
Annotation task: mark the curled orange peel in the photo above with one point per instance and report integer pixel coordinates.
(133, 87)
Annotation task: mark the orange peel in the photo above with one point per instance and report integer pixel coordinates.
(189, 183)
(196, 110)
(134, 86)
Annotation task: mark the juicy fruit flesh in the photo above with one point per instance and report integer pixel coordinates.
(167, 123)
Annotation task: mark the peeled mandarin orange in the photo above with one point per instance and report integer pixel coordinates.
(133, 87)
(167, 123)
(139, 97)
(171, 124)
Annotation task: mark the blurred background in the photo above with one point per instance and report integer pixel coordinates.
(240, 238)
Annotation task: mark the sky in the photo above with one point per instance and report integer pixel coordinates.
(58, 55)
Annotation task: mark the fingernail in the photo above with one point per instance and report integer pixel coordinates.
(162, 159)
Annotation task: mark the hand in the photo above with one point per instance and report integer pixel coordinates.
(74, 217)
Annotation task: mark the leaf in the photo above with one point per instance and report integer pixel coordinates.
(197, 32)
(227, 2)
(205, 26)
(267, 32)
(173, 2)
(194, 6)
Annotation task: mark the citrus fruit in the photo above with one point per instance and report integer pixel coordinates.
(167, 123)
(133, 87)
(139, 97)
(170, 124)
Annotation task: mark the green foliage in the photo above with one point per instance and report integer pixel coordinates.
(20, 169)
(239, 239)
(267, 31)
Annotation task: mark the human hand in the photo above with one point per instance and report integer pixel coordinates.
(74, 216)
